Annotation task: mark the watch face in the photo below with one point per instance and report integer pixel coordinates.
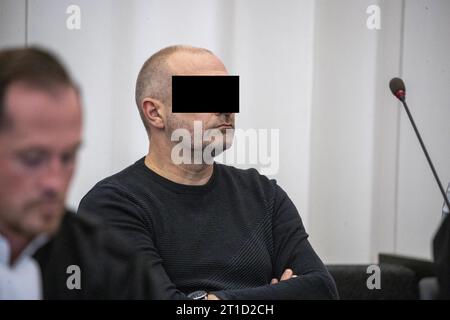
(198, 295)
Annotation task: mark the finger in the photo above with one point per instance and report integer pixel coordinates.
(287, 274)
(274, 281)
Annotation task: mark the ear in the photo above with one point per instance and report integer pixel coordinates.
(154, 112)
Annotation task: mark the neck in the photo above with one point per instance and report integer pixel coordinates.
(16, 241)
(159, 160)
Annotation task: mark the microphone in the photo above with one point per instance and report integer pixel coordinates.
(397, 87)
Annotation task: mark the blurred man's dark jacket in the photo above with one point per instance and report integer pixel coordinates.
(108, 270)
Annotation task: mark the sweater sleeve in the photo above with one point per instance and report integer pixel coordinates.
(291, 250)
(123, 214)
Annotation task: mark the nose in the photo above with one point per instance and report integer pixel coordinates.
(53, 179)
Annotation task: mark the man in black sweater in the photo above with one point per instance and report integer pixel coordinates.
(45, 251)
(212, 231)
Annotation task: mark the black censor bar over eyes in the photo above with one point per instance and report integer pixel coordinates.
(205, 94)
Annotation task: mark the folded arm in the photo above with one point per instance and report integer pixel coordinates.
(293, 251)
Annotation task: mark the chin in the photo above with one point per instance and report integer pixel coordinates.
(47, 223)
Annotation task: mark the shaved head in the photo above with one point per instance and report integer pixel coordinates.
(155, 77)
(154, 101)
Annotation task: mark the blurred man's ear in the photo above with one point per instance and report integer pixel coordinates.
(154, 112)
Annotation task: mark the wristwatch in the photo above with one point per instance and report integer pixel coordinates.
(198, 295)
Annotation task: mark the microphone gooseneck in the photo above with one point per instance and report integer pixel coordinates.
(397, 87)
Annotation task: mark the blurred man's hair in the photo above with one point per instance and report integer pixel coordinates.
(34, 67)
(155, 78)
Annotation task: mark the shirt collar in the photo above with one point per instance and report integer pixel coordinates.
(30, 249)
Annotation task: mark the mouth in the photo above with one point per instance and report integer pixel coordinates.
(48, 204)
(225, 126)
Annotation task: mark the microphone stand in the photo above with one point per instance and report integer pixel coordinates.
(423, 268)
(403, 100)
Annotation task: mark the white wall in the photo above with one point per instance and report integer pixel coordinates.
(426, 70)
(342, 131)
(386, 127)
(275, 68)
(371, 188)
(13, 22)
(348, 157)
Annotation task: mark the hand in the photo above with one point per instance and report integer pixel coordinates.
(212, 297)
(287, 274)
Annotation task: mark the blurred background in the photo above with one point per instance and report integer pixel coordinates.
(316, 70)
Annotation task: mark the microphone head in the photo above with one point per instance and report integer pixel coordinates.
(397, 87)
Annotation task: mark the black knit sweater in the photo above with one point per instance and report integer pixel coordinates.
(230, 236)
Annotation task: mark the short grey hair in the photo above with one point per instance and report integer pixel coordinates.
(155, 77)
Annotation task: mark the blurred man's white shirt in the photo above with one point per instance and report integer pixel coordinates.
(23, 279)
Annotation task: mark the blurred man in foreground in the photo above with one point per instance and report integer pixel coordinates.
(45, 251)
